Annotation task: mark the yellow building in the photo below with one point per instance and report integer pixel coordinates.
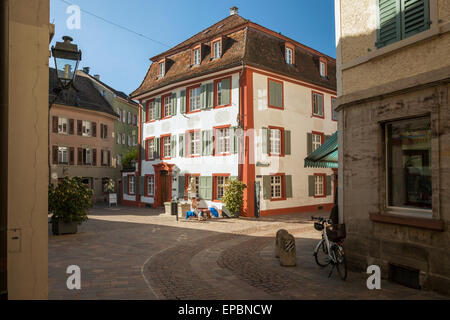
(23, 144)
(393, 66)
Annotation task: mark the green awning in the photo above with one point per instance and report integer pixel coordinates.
(326, 156)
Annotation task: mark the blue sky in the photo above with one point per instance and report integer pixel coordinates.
(121, 57)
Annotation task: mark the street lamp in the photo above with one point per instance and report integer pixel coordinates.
(67, 56)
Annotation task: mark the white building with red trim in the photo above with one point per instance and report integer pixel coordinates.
(235, 101)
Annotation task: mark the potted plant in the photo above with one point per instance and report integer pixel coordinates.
(110, 188)
(234, 197)
(69, 203)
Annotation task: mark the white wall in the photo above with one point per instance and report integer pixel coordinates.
(296, 117)
(204, 120)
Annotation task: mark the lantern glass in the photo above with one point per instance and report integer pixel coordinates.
(66, 70)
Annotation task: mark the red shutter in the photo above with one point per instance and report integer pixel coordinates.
(71, 155)
(79, 127)
(55, 154)
(94, 157)
(55, 124)
(80, 156)
(105, 131)
(109, 158)
(71, 126)
(94, 129)
(101, 130)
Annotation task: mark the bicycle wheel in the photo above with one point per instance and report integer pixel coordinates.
(341, 262)
(321, 254)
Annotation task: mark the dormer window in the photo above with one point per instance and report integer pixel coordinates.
(289, 53)
(323, 67)
(162, 69)
(196, 59)
(217, 49)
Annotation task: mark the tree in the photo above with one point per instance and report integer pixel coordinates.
(234, 196)
(129, 157)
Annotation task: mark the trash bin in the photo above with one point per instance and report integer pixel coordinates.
(174, 208)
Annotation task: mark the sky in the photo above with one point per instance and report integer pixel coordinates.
(121, 57)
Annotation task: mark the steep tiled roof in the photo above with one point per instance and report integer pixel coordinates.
(245, 44)
(82, 95)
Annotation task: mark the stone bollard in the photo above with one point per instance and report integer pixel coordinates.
(287, 250)
(278, 241)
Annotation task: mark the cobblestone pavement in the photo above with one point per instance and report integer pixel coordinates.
(130, 253)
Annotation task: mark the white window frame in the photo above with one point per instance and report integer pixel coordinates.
(319, 186)
(316, 141)
(275, 141)
(162, 69)
(119, 159)
(217, 49)
(63, 155)
(195, 143)
(166, 142)
(63, 125)
(276, 187)
(129, 117)
(151, 148)
(194, 99)
(167, 102)
(151, 185)
(221, 182)
(151, 110)
(131, 179)
(197, 58)
(289, 52)
(223, 140)
(322, 69)
(105, 158)
(86, 128)
(319, 113)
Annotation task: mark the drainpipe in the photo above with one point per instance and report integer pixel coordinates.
(4, 149)
(139, 167)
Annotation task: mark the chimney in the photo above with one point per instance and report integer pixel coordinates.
(234, 10)
(86, 70)
(97, 76)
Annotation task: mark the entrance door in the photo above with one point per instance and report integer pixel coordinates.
(165, 191)
(257, 198)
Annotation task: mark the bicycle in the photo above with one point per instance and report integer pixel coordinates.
(329, 249)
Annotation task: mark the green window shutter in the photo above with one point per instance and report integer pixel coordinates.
(311, 186)
(181, 183)
(135, 184)
(141, 185)
(275, 94)
(173, 104)
(183, 102)
(287, 142)
(415, 17)
(267, 194)
(205, 188)
(173, 146)
(158, 108)
(226, 88)
(389, 22)
(157, 148)
(309, 143)
(203, 96)
(235, 140)
(143, 146)
(232, 140)
(181, 144)
(209, 95)
(328, 185)
(210, 143)
(265, 140)
(125, 184)
(144, 113)
(288, 186)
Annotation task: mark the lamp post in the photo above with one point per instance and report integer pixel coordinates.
(66, 56)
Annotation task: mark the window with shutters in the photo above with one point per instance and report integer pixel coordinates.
(87, 128)
(165, 147)
(276, 187)
(151, 111)
(63, 155)
(193, 100)
(119, 159)
(193, 143)
(400, 19)
(317, 104)
(131, 184)
(319, 185)
(150, 186)
(219, 185)
(217, 49)
(166, 106)
(334, 114)
(63, 125)
(150, 149)
(222, 141)
(317, 140)
(276, 141)
(187, 181)
(87, 156)
(275, 94)
(222, 92)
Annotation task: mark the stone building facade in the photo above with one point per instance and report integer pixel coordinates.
(393, 69)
